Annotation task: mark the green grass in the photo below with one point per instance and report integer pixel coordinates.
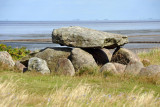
(34, 89)
(121, 83)
(41, 85)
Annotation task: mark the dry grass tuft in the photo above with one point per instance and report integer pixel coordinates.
(81, 95)
(5, 67)
(153, 56)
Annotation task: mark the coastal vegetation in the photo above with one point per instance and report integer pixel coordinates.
(87, 88)
(16, 53)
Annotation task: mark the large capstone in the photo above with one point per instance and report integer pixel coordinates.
(81, 37)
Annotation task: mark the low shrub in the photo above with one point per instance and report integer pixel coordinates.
(16, 53)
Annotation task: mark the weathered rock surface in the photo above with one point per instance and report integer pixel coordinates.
(108, 53)
(124, 56)
(151, 70)
(109, 67)
(65, 67)
(6, 58)
(39, 65)
(101, 56)
(52, 55)
(81, 37)
(81, 58)
(20, 66)
(134, 67)
(25, 59)
(119, 67)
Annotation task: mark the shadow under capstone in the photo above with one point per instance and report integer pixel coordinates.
(99, 55)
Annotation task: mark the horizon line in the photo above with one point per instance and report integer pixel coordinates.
(74, 20)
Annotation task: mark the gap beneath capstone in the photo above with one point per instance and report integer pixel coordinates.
(98, 54)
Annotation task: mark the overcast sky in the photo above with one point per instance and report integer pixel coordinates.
(52, 10)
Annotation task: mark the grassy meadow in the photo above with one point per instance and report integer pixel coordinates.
(87, 88)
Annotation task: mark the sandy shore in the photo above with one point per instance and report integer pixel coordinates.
(29, 40)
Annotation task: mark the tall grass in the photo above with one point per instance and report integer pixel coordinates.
(80, 96)
(153, 56)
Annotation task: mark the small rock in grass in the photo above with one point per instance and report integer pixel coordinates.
(6, 58)
(151, 70)
(20, 66)
(39, 65)
(109, 68)
(120, 67)
(25, 59)
(146, 62)
(133, 67)
(65, 67)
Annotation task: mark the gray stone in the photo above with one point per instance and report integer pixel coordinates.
(52, 55)
(124, 56)
(81, 58)
(81, 37)
(119, 67)
(109, 67)
(39, 65)
(133, 67)
(19, 66)
(65, 67)
(5, 58)
(25, 59)
(151, 70)
(108, 53)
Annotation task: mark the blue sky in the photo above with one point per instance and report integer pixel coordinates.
(52, 10)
